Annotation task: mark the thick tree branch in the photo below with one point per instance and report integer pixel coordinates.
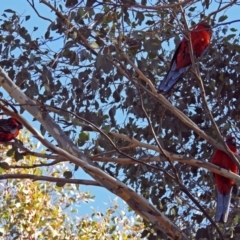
(179, 158)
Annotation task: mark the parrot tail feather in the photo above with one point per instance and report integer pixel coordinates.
(171, 79)
(223, 204)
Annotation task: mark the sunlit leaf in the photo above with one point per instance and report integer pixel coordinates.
(222, 18)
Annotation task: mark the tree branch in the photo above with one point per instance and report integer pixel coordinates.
(33, 7)
(69, 151)
(50, 179)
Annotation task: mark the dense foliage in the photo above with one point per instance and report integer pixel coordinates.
(35, 207)
(92, 72)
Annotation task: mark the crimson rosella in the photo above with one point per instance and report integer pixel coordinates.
(9, 129)
(224, 185)
(200, 38)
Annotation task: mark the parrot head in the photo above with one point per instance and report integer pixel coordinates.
(231, 141)
(15, 122)
(204, 26)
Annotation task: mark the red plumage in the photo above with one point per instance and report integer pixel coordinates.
(224, 185)
(9, 129)
(221, 159)
(200, 38)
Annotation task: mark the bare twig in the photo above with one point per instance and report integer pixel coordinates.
(226, 23)
(114, 151)
(185, 190)
(50, 179)
(157, 7)
(177, 179)
(38, 165)
(34, 8)
(222, 8)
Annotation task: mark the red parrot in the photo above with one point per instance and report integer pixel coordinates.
(224, 185)
(9, 129)
(200, 37)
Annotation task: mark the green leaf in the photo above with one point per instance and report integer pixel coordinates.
(139, 17)
(226, 126)
(42, 130)
(202, 233)
(207, 3)
(84, 136)
(4, 165)
(221, 77)
(87, 128)
(10, 152)
(229, 37)
(149, 22)
(222, 18)
(60, 184)
(106, 128)
(18, 156)
(94, 45)
(67, 174)
(224, 30)
(191, 9)
(233, 29)
(76, 168)
(47, 34)
(9, 11)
